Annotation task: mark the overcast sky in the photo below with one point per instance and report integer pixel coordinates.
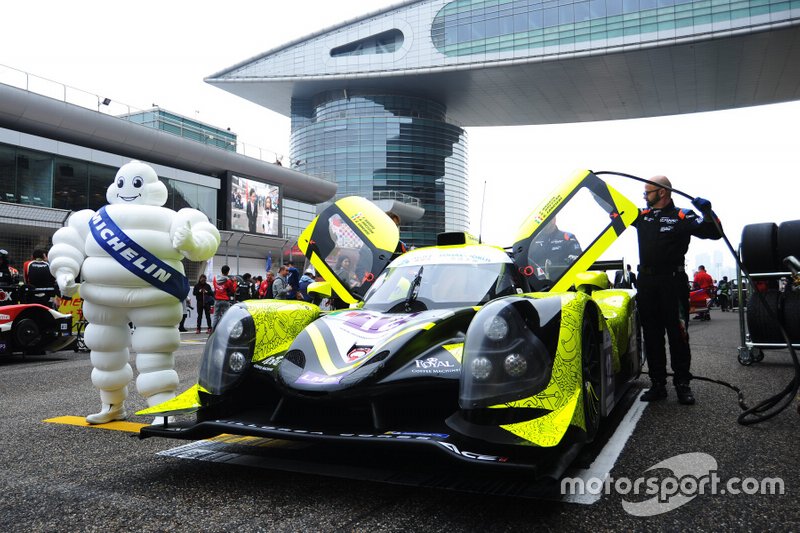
(149, 52)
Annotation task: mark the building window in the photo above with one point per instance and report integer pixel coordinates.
(382, 43)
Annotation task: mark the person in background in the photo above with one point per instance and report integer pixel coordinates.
(702, 280)
(186, 306)
(204, 299)
(664, 232)
(724, 294)
(305, 280)
(401, 246)
(224, 293)
(244, 290)
(280, 287)
(265, 289)
(293, 279)
(40, 283)
(8, 274)
(631, 277)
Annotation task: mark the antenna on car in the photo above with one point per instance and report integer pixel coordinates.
(480, 226)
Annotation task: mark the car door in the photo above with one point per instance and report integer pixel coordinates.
(349, 244)
(570, 230)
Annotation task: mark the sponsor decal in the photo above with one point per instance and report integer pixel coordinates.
(435, 365)
(312, 378)
(135, 258)
(376, 323)
(5, 317)
(359, 352)
(452, 448)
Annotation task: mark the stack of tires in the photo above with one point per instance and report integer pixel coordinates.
(763, 250)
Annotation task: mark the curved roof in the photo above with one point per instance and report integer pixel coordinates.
(685, 61)
(32, 113)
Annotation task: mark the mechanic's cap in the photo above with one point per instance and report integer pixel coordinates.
(3, 252)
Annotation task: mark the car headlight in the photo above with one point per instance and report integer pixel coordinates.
(496, 328)
(228, 351)
(509, 350)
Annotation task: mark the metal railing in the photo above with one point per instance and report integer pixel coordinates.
(396, 195)
(107, 106)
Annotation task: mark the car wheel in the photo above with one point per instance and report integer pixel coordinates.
(27, 334)
(591, 375)
(791, 315)
(759, 246)
(762, 320)
(788, 241)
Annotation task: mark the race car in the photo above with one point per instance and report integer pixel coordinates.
(486, 354)
(33, 329)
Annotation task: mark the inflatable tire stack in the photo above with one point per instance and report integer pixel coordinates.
(763, 249)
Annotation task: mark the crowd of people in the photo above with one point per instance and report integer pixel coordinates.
(226, 289)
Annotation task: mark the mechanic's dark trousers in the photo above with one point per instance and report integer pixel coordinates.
(664, 306)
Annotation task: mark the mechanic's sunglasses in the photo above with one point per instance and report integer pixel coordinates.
(647, 193)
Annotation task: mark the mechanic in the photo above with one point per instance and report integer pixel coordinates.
(224, 292)
(37, 276)
(702, 280)
(664, 232)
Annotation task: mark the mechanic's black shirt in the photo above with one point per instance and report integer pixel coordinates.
(664, 235)
(37, 273)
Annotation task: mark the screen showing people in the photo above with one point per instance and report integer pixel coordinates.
(254, 206)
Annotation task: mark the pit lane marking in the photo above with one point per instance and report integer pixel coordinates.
(121, 425)
(605, 460)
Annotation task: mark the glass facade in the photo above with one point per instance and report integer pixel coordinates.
(374, 143)
(49, 180)
(184, 127)
(468, 27)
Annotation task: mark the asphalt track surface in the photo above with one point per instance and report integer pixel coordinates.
(62, 477)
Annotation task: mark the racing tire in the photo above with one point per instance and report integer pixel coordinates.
(791, 315)
(591, 373)
(27, 334)
(759, 247)
(788, 241)
(762, 321)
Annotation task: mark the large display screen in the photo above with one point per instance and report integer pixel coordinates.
(254, 206)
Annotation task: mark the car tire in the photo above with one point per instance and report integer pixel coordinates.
(788, 241)
(761, 320)
(791, 315)
(591, 373)
(759, 246)
(27, 334)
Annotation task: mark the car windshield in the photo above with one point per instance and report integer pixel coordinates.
(420, 287)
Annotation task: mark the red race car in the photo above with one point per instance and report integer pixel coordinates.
(33, 329)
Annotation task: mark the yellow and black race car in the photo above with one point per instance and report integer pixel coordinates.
(486, 354)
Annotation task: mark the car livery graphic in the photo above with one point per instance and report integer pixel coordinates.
(489, 355)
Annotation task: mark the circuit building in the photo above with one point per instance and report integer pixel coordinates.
(381, 103)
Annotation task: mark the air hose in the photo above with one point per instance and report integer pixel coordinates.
(773, 405)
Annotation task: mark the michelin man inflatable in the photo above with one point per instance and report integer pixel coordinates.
(128, 255)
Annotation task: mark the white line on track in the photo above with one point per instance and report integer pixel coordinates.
(602, 465)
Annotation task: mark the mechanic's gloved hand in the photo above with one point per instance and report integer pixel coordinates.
(703, 205)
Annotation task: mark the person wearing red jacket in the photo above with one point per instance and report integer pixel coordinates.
(702, 280)
(224, 292)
